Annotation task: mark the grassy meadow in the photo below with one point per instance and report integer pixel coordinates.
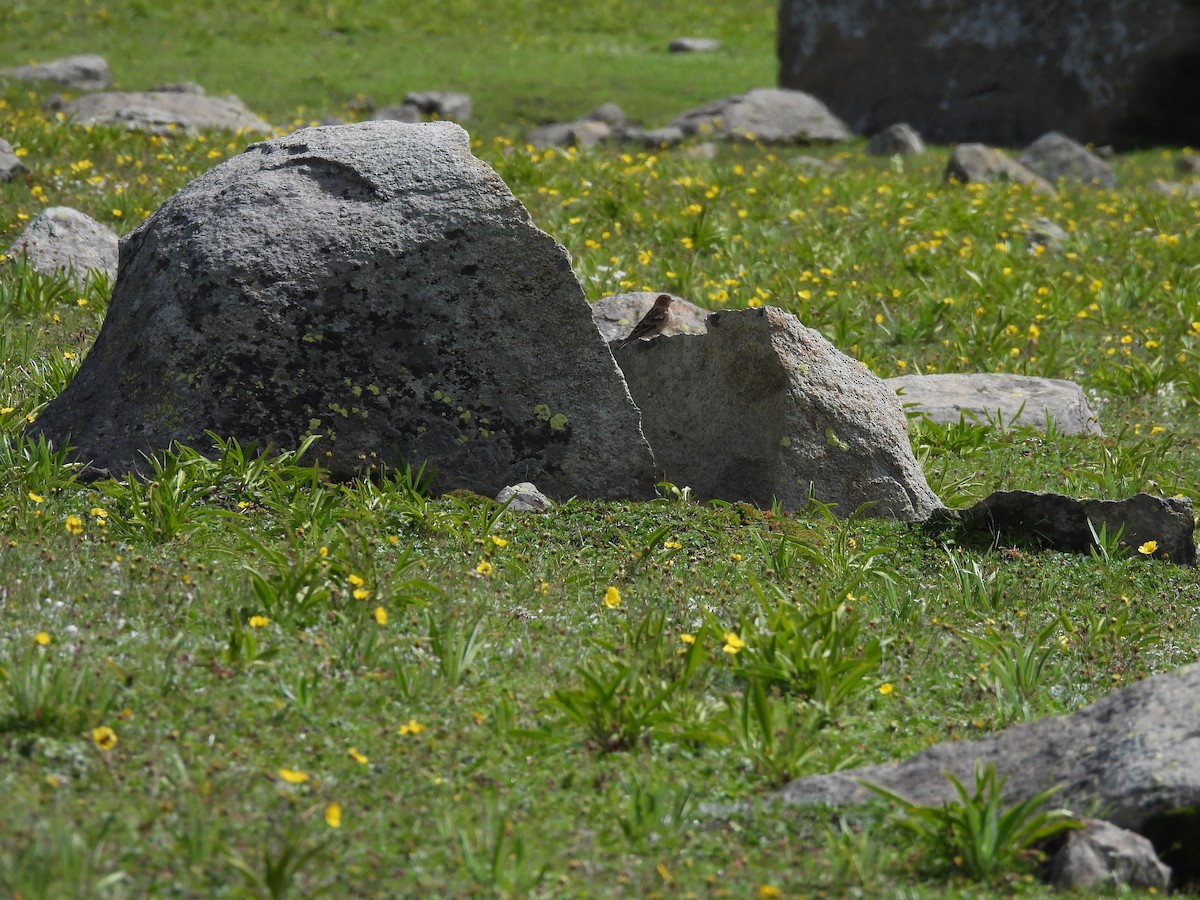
(239, 679)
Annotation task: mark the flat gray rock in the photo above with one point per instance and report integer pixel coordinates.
(767, 115)
(83, 72)
(443, 104)
(761, 408)
(161, 112)
(900, 139)
(1134, 754)
(61, 239)
(1009, 400)
(375, 285)
(1058, 522)
(398, 112)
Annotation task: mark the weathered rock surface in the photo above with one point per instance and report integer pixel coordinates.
(1134, 754)
(900, 138)
(761, 407)
(1043, 232)
(1011, 400)
(1055, 156)
(1102, 855)
(443, 104)
(768, 115)
(10, 163)
(617, 315)
(524, 497)
(1058, 522)
(693, 45)
(84, 72)
(160, 112)
(980, 163)
(1104, 71)
(373, 284)
(398, 112)
(583, 133)
(61, 239)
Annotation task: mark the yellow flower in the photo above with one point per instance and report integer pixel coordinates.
(1148, 548)
(42, 638)
(355, 580)
(733, 643)
(292, 776)
(74, 525)
(259, 622)
(361, 593)
(484, 567)
(688, 638)
(333, 815)
(381, 615)
(356, 756)
(612, 597)
(36, 498)
(324, 551)
(499, 541)
(104, 737)
(393, 538)
(736, 557)
(412, 726)
(769, 892)
(886, 688)
(673, 545)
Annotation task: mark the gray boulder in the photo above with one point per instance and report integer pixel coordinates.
(161, 112)
(583, 133)
(608, 113)
(10, 163)
(1011, 400)
(1105, 71)
(1187, 164)
(1058, 522)
(84, 72)
(762, 408)
(1055, 156)
(655, 138)
(1102, 855)
(61, 239)
(617, 315)
(443, 104)
(372, 284)
(1134, 754)
(768, 115)
(397, 112)
(1045, 233)
(980, 163)
(693, 45)
(1175, 189)
(899, 139)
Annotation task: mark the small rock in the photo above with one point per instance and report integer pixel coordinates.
(1054, 156)
(1175, 189)
(85, 72)
(705, 150)
(899, 139)
(1010, 400)
(1045, 233)
(180, 87)
(525, 497)
(397, 112)
(608, 113)
(693, 45)
(651, 138)
(61, 239)
(1187, 164)
(1102, 855)
(443, 104)
(1058, 522)
(10, 163)
(766, 115)
(980, 163)
(584, 133)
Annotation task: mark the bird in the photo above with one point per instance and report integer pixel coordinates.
(653, 322)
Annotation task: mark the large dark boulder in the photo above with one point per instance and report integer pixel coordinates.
(1118, 72)
(372, 284)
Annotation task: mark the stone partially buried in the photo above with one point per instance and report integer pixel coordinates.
(372, 284)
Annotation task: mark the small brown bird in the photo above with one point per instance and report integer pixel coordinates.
(653, 322)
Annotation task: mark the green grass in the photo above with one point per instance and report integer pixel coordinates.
(487, 717)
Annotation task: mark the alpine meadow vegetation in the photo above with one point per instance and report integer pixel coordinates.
(239, 678)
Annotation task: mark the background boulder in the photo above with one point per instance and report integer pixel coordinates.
(1104, 71)
(373, 284)
(61, 239)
